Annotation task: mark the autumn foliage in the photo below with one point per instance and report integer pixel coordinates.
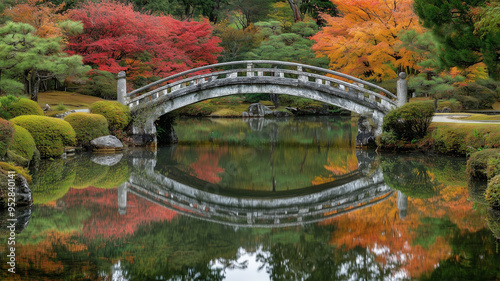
(44, 17)
(117, 38)
(364, 41)
(417, 241)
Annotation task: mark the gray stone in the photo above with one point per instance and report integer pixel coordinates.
(258, 110)
(62, 115)
(282, 113)
(22, 190)
(107, 159)
(106, 143)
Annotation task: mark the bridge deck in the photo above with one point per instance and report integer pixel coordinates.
(286, 72)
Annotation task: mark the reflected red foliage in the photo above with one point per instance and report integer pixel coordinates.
(105, 220)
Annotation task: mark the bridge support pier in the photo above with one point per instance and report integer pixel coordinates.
(144, 134)
(369, 128)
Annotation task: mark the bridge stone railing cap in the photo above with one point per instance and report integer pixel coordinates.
(122, 74)
(403, 75)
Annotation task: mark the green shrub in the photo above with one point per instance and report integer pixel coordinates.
(452, 104)
(50, 134)
(23, 143)
(483, 164)
(100, 84)
(117, 114)
(11, 107)
(87, 126)
(475, 96)
(409, 122)
(492, 193)
(6, 133)
(60, 107)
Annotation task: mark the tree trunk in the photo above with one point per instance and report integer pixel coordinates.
(33, 84)
(35, 89)
(295, 10)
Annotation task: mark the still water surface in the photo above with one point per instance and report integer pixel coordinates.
(287, 199)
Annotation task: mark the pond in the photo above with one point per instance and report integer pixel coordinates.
(257, 199)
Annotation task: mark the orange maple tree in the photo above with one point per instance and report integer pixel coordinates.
(44, 17)
(364, 41)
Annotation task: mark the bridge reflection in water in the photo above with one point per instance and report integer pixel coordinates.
(193, 197)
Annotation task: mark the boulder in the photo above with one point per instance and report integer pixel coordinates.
(106, 144)
(258, 110)
(22, 191)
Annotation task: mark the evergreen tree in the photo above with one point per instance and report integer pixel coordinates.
(26, 60)
(453, 23)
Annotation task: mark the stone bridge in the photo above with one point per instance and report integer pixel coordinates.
(150, 102)
(190, 196)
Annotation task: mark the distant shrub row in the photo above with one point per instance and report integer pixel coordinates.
(480, 94)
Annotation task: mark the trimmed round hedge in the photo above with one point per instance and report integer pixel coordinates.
(50, 134)
(6, 133)
(492, 193)
(409, 122)
(11, 107)
(117, 114)
(23, 143)
(88, 126)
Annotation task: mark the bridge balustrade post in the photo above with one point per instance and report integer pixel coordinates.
(402, 89)
(302, 78)
(249, 69)
(121, 86)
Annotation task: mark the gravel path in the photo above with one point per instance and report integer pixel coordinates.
(448, 119)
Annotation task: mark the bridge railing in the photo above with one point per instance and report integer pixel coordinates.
(253, 69)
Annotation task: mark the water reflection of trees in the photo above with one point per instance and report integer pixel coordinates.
(442, 237)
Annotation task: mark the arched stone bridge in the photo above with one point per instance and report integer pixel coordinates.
(192, 197)
(150, 102)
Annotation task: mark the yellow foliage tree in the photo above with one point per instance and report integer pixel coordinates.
(44, 17)
(364, 41)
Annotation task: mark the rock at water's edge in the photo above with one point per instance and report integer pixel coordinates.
(106, 143)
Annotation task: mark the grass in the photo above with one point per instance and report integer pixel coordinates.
(69, 99)
(461, 138)
(61, 102)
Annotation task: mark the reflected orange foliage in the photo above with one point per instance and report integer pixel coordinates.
(338, 167)
(392, 238)
(42, 255)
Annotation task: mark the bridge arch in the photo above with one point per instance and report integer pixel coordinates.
(150, 102)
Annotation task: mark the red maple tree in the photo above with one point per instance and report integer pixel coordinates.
(117, 38)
